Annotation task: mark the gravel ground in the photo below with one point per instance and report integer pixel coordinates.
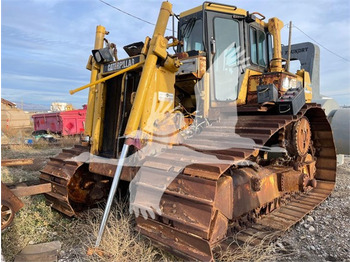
(323, 235)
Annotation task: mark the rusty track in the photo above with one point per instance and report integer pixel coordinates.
(59, 171)
(194, 218)
(277, 222)
(184, 196)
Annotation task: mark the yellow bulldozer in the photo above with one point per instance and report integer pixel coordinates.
(209, 131)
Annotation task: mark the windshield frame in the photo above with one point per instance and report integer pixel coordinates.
(185, 20)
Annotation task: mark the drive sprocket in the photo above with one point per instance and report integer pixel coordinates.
(301, 137)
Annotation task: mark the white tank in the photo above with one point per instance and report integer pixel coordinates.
(340, 123)
(327, 103)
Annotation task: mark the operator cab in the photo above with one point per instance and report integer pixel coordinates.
(233, 41)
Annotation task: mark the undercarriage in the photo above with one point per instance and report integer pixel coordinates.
(251, 173)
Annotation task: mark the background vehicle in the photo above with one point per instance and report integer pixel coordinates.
(65, 123)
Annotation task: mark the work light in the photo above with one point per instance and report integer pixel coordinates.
(102, 55)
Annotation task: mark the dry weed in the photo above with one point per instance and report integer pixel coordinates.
(68, 141)
(265, 250)
(15, 174)
(26, 151)
(15, 134)
(120, 241)
(27, 172)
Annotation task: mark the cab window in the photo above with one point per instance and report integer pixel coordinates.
(191, 35)
(258, 52)
(270, 46)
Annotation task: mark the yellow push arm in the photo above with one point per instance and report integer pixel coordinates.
(157, 48)
(106, 78)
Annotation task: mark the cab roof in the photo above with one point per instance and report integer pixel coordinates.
(223, 8)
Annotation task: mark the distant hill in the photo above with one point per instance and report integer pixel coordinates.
(32, 107)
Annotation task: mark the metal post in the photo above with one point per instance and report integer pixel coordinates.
(289, 46)
(111, 194)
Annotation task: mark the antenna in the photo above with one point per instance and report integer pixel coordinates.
(289, 46)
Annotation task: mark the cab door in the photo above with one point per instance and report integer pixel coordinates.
(226, 56)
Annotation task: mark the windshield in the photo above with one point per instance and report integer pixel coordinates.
(191, 35)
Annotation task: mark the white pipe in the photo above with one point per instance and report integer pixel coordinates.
(111, 194)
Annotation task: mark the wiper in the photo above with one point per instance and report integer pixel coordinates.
(188, 27)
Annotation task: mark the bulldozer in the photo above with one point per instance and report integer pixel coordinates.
(208, 130)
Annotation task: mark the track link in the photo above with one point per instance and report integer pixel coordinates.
(59, 171)
(277, 222)
(183, 196)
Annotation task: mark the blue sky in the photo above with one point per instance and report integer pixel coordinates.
(45, 44)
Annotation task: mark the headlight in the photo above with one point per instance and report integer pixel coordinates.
(102, 55)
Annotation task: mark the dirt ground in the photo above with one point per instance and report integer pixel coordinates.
(322, 236)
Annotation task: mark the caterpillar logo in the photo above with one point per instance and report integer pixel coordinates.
(121, 64)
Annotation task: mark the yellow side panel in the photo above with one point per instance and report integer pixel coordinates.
(159, 99)
(304, 77)
(100, 102)
(90, 104)
(206, 94)
(308, 88)
(242, 96)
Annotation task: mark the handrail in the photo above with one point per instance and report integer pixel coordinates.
(219, 4)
